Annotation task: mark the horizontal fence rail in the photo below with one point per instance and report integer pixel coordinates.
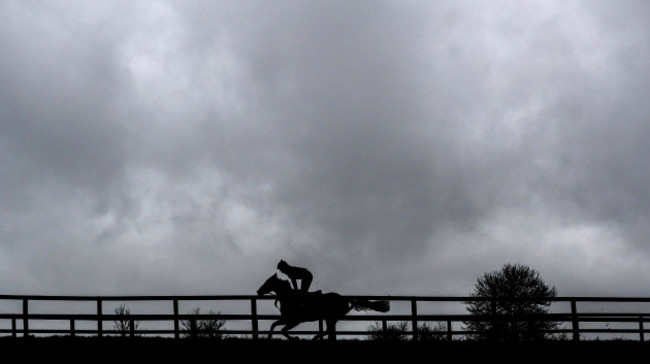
(101, 322)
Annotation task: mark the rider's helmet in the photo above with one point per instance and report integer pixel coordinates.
(282, 265)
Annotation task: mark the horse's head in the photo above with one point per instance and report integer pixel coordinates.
(268, 286)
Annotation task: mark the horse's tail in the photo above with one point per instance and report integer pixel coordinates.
(364, 305)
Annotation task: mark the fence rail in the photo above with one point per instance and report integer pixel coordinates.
(573, 322)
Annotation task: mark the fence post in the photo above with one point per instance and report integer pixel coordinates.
(13, 327)
(254, 318)
(25, 318)
(493, 320)
(177, 333)
(449, 331)
(641, 333)
(132, 327)
(100, 331)
(574, 321)
(414, 318)
(384, 327)
(72, 328)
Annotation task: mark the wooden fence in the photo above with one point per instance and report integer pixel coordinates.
(576, 320)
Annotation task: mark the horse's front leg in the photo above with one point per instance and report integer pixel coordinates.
(273, 325)
(289, 326)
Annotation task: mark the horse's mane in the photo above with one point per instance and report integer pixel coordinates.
(284, 282)
(286, 285)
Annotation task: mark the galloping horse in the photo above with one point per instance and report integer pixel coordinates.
(298, 307)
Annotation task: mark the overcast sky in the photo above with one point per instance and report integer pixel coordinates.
(391, 147)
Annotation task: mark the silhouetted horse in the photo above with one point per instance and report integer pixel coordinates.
(297, 307)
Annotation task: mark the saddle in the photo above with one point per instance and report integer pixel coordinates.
(306, 303)
(307, 297)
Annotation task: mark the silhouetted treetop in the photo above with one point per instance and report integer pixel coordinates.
(513, 281)
(515, 290)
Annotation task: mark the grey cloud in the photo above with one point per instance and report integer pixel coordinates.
(60, 87)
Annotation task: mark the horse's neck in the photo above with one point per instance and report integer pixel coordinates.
(283, 290)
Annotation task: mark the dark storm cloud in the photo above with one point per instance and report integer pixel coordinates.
(175, 146)
(352, 105)
(600, 123)
(60, 87)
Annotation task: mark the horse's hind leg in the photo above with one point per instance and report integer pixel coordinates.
(322, 332)
(319, 336)
(331, 330)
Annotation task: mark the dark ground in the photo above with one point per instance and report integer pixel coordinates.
(131, 350)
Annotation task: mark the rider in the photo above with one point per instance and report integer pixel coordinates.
(295, 274)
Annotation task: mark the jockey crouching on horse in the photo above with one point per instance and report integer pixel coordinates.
(295, 274)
